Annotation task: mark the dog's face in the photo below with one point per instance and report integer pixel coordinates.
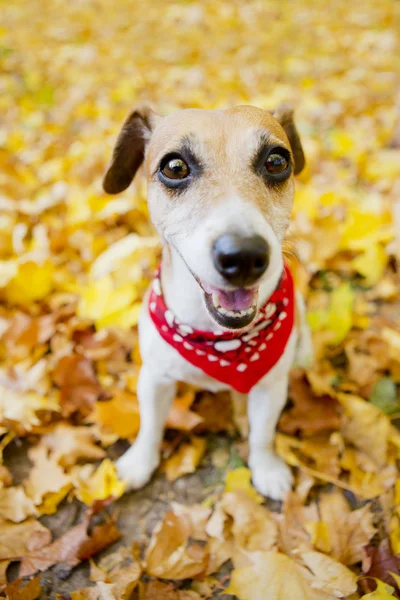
(220, 191)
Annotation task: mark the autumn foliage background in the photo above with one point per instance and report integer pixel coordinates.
(74, 264)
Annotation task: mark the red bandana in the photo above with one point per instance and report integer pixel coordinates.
(239, 360)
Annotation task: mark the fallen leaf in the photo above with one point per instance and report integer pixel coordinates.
(366, 427)
(79, 388)
(101, 537)
(31, 591)
(170, 554)
(380, 564)
(120, 415)
(277, 573)
(239, 480)
(348, 531)
(69, 444)
(384, 396)
(15, 505)
(382, 592)
(180, 416)
(45, 476)
(329, 575)
(186, 459)
(101, 485)
(324, 409)
(16, 539)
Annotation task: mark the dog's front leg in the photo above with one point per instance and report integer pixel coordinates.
(155, 394)
(271, 475)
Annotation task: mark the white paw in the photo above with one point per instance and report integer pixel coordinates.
(136, 466)
(271, 475)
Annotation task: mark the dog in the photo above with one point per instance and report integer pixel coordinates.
(221, 314)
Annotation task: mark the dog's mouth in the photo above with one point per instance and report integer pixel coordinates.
(233, 309)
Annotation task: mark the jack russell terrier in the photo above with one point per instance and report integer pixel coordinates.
(221, 312)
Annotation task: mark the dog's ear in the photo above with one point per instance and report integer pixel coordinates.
(284, 114)
(128, 153)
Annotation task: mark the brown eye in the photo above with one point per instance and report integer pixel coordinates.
(175, 168)
(276, 164)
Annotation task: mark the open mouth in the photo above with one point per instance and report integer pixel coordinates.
(234, 309)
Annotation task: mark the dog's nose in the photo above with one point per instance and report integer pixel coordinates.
(240, 260)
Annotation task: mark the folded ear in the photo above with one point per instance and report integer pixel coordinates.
(284, 114)
(128, 153)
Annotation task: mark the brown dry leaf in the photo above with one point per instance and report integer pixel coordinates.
(348, 531)
(215, 411)
(31, 591)
(329, 575)
(324, 409)
(5, 476)
(157, 590)
(63, 550)
(4, 564)
(101, 537)
(15, 505)
(363, 368)
(239, 527)
(277, 573)
(26, 332)
(16, 539)
(380, 562)
(69, 444)
(186, 459)
(366, 427)
(79, 388)
(292, 523)
(170, 554)
(45, 476)
(197, 515)
(71, 548)
(120, 415)
(180, 416)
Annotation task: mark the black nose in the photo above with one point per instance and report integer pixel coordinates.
(240, 260)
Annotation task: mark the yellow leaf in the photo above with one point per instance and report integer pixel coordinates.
(32, 282)
(186, 459)
(102, 484)
(319, 534)
(340, 315)
(372, 263)
(274, 576)
(382, 592)
(51, 500)
(330, 575)
(239, 480)
(107, 305)
(119, 415)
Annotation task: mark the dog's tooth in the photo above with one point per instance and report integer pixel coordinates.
(230, 313)
(223, 311)
(215, 299)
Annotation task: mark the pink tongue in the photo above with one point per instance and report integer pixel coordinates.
(237, 300)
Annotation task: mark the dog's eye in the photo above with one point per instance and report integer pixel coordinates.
(276, 164)
(175, 168)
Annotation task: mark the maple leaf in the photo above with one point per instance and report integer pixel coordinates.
(180, 416)
(239, 480)
(45, 476)
(348, 531)
(71, 548)
(15, 505)
(170, 554)
(239, 527)
(69, 444)
(380, 563)
(78, 384)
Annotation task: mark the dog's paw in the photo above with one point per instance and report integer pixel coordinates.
(136, 467)
(272, 477)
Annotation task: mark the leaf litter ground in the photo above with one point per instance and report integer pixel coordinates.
(74, 265)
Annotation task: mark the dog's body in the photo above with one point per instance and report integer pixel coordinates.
(222, 206)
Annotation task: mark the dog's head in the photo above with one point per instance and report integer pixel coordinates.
(220, 191)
